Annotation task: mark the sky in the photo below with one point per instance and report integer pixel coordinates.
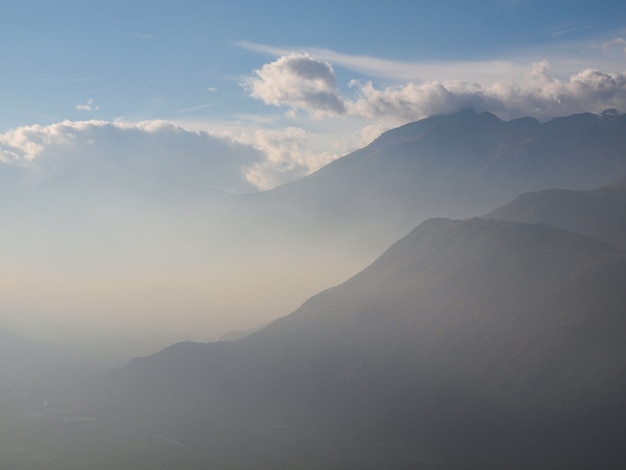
(122, 120)
(303, 82)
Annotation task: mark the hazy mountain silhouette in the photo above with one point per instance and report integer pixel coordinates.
(456, 165)
(480, 343)
(309, 234)
(469, 343)
(598, 213)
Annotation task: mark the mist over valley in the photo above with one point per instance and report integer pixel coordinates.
(258, 235)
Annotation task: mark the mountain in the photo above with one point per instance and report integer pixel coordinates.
(479, 343)
(457, 165)
(157, 249)
(474, 343)
(598, 213)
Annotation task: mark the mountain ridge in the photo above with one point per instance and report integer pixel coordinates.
(456, 166)
(476, 322)
(594, 213)
(476, 342)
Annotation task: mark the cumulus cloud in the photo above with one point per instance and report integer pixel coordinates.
(288, 156)
(153, 155)
(297, 81)
(302, 82)
(541, 95)
(508, 89)
(160, 156)
(413, 101)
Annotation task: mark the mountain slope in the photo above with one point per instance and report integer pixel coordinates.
(455, 165)
(482, 342)
(597, 213)
(159, 249)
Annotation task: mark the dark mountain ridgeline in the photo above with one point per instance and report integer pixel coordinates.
(598, 213)
(480, 341)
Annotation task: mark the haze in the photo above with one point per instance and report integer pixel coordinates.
(131, 135)
(254, 235)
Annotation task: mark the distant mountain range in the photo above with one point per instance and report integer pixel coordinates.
(479, 343)
(493, 342)
(309, 234)
(598, 213)
(457, 165)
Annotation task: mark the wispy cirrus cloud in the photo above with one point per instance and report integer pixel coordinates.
(394, 69)
(191, 109)
(615, 42)
(568, 57)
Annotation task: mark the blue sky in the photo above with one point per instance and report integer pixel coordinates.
(302, 82)
(161, 60)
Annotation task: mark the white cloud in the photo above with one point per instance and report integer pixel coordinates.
(567, 56)
(152, 156)
(87, 106)
(541, 95)
(291, 147)
(288, 156)
(160, 155)
(510, 91)
(538, 92)
(400, 70)
(297, 81)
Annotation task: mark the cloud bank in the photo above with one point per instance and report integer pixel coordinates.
(118, 226)
(542, 95)
(152, 156)
(299, 81)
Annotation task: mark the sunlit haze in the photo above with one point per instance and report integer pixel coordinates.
(132, 134)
